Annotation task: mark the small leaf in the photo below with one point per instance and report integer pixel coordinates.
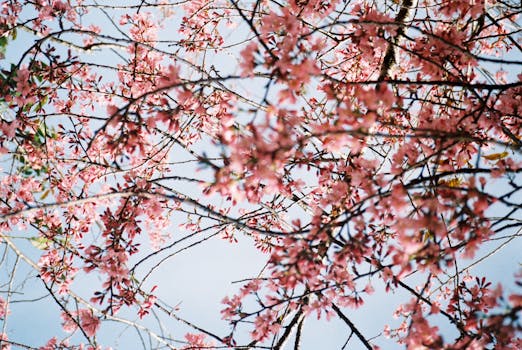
(3, 42)
(496, 156)
(40, 242)
(27, 107)
(453, 182)
(427, 235)
(45, 194)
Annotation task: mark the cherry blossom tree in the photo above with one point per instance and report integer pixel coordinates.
(360, 146)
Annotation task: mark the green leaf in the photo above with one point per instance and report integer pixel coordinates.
(27, 107)
(40, 242)
(3, 46)
(42, 102)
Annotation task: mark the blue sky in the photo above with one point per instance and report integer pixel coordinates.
(196, 280)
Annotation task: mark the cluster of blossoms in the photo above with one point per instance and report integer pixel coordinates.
(367, 148)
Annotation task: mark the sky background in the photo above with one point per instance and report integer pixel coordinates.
(197, 279)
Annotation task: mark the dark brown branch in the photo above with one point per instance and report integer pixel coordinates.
(296, 321)
(354, 329)
(390, 58)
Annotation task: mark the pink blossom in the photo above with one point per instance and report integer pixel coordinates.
(89, 323)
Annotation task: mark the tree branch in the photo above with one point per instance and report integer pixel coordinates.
(390, 58)
(354, 329)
